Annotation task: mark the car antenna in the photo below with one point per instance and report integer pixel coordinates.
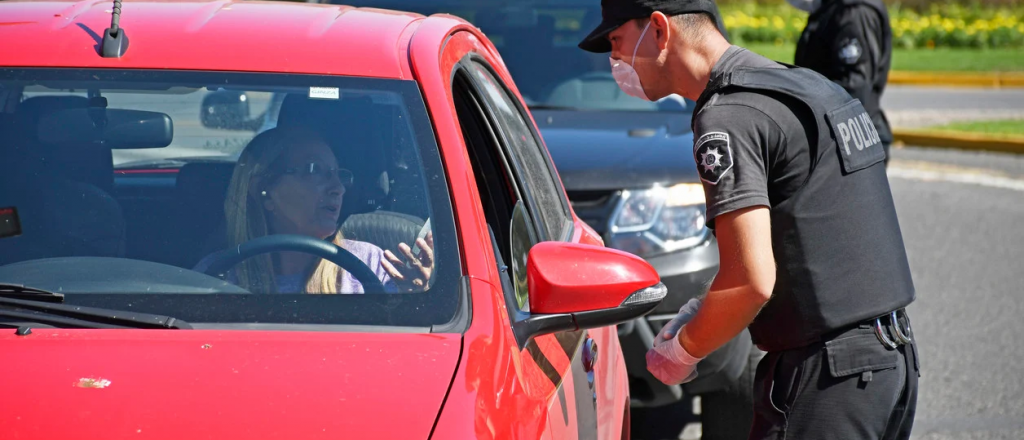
(115, 41)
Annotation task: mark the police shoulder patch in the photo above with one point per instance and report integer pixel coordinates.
(850, 51)
(713, 156)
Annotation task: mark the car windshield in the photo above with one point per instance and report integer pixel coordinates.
(122, 188)
(537, 40)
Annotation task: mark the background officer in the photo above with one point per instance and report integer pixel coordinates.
(850, 42)
(812, 256)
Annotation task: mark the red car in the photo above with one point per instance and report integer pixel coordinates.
(170, 172)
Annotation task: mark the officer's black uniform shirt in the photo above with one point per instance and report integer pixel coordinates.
(758, 152)
(838, 249)
(850, 43)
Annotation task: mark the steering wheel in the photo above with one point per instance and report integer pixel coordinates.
(228, 258)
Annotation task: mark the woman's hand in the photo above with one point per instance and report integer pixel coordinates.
(411, 274)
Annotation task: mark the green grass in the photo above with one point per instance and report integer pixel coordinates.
(927, 60)
(1013, 127)
(782, 52)
(959, 60)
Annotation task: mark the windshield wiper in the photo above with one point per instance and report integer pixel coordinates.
(71, 316)
(21, 291)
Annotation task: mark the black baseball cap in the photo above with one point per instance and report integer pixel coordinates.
(615, 13)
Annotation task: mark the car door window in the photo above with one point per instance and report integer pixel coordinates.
(549, 206)
(514, 231)
(523, 238)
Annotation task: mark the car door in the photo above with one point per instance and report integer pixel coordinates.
(514, 388)
(539, 212)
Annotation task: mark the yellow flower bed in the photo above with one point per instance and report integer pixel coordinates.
(939, 26)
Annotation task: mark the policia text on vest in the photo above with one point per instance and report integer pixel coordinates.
(859, 131)
(854, 128)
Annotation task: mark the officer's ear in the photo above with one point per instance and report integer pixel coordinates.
(661, 28)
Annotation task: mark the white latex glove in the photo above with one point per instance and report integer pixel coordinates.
(671, 364)
(686, 313)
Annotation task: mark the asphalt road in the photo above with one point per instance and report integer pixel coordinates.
(917, 107)
(961, 214)
(899, 98)
(961, 218)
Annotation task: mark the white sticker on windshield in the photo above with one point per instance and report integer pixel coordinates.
(324, 93)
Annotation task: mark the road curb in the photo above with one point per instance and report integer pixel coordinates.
(958, 79)
(960, 141)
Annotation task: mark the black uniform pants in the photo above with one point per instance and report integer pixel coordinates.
(849, 386)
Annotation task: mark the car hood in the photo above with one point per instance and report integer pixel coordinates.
(181, 384)
(603, 150)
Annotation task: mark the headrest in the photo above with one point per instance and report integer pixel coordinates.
(354, 128)
(87, 162)
(348, 125)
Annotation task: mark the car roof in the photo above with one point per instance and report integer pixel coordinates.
(211, 35)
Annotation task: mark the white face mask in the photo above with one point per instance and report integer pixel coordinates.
(808, 6)
(626, 76)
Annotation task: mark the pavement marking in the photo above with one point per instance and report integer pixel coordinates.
(929, 171)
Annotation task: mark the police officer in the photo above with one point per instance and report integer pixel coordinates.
(812, 257)
(850, 42)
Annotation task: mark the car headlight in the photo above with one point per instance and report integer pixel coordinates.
(659, 220)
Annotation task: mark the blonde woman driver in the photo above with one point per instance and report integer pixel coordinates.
(287, 181)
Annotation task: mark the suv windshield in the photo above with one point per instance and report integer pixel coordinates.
(120, 189)
(537, 40)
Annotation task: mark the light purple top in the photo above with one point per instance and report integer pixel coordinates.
(368, 253)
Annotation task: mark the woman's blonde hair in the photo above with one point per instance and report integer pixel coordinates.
(257, 168)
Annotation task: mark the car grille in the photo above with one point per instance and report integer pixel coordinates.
(594, 207)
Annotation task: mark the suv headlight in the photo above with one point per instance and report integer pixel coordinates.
(659, 220)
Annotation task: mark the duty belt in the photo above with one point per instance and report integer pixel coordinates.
(902, 335)
(888, 328)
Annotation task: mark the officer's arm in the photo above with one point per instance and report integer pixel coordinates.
(744, 283)
(856, 51)
(733, 151)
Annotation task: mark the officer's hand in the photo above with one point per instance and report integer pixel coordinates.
(671, 364)
(686, 313)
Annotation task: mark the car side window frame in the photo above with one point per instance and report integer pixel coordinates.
(495, 149)
(535, 177)
(522, 219)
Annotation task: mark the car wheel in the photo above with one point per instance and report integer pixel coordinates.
(727, 414)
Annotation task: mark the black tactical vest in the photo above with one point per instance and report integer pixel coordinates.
(837, 243)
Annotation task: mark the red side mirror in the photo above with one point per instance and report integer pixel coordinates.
(572, 278)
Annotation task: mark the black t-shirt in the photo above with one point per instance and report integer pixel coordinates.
(751, 148)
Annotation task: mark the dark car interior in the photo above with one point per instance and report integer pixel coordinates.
(48, 182)
(113, 185)
(72, 202)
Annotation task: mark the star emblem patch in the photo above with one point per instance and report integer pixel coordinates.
(850, 51)
(713, 156)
